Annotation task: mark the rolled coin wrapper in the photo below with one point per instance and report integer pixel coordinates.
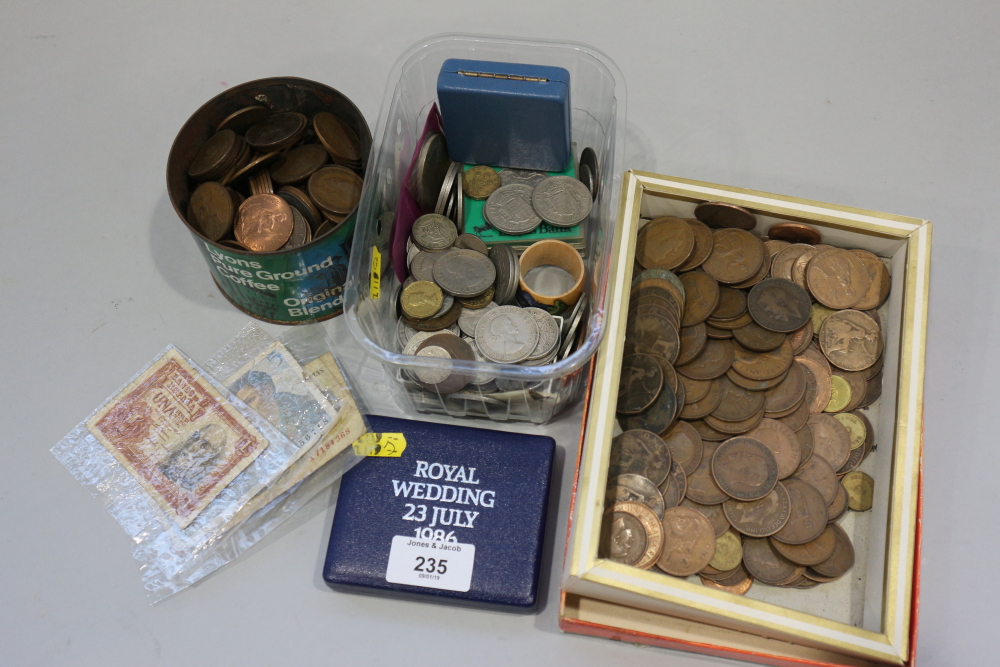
(551, 253)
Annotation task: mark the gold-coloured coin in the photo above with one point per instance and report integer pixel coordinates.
(481, 301)
(818, 315)
(855, 427)
(479, 182)
(860, 490)
(421, 299)
(728, 551)
(840, 394)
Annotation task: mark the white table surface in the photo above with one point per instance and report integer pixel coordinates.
(887, 106)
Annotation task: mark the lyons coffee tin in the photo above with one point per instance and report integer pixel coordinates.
(302, 284)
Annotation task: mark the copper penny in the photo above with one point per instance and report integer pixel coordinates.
(758, 339)
(686, 448)
(634, 489)
(737, 584)
(875, 368)
(853, 461)
(804, 436)
(695, 390)
(298, 164)
(818, 386)
(639, 383)
(754, 385)
(794, 232)
(716, 333)
(664, 243)
(788, 394)
(736, 256)
(773, 247)
(732, 304)
(704, 406)
(797, 419)
(860, 490)
(831, 441)
(879, 281)
(851, 340)
(702, 294)
(763, 272)
(702, 487)
(659, 416)
(335, 189)
(660, 279)
(241, 120)
(714, 513)
(838, 507)
(337, 137)
(762, 365)
(652, 334)
(837, 278)
(631, 534)
(801, 338)
(809, 553)
(735, 323)
(721, 214)
(759, 518)
(821, 476)
(674, 486)
(707, 433)
(641, 453)
(703, 243)
(744, 468)
(735, 428)
(264, 223)
(779, 305)
(713, 362)
(277, 131)
(688, 542)
(784, 413)
(874, 391)
(808, 514)
(781, 265)
(782, 442)
(212, 210)
(693, 341)
(842, 558)
(859, 386)
(764, 563)
(670, 377)
(214, 155)
(737, 404)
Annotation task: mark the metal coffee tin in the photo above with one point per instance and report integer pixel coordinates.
(304, 284)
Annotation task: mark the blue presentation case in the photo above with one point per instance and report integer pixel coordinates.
(497, 485)
(506, 114)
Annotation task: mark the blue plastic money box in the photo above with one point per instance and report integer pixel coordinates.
(506, 114)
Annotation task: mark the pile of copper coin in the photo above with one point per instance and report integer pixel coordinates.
(265, 182)
(747, 363)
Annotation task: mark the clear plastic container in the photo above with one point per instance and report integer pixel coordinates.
(597, 95)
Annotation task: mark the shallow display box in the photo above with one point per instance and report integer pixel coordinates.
(868, 617)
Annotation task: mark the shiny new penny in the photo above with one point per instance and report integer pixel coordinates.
(880, 281)
(640, 453)
(664, 243)
(759, 518)
(714, 361)
(685, 445)
(702, 487)
(809, 553)
(693, 341)
(702, 294)
(736, 256)
(817, 473)
(782, 442)
(837, 278)
(634, 489)
(632, 535)
(831, 441)
(703, 243)
(842, 558)
(779, 305)
(728, 552)
(794, 232)
(639, 383)
(421, 299)
(744, 468)
(808, 516)
(851, 340)
(721, 214)
(264, 223)
(860, 490)
(674, 487)
(764, 563)
(480, 181)
(688, 542)
(762, 365)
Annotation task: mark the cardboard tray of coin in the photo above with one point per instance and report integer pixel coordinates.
(752, 449)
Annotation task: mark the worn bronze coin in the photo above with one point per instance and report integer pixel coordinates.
(706, 405)
(213, 156)
(264, 223)
(695, 390)
(737, 404)
(714, 513)
(851, 340)
(837, 278)
(736, 256)
(853, 461)
(809, 553)
(277, 131)
(693, 340)
(707, 433)
(779, 305)
(860, 490)
(744, 468)
(782, 442)
(762, 365)
(703, 243)
(874, 391)
(787, 395)
(879, 281)
(842, 558)
(798, 418)
(702, 294)
(764, 563)
(241, 120)
(831, 441)
(808, 515)
(716, 333)
(634, 489)
(688, 542)
(298, 164)
(335, 189)
(642, 453)
(721, 214)
(438, 380)
(838, 507)
(794, 232)
(733, 324)
(438, 322)
(664, 243)
(339, 140)
(754, 385)
(702, 487)
(212, 210)
(734, 428)
(756, 338)
(782, 263)
(631, 534)
(818, 473)
(762, 272)
(737, 584)
(652, 334)
(804, 435)
(659, 416)
(818, 384)
(686, 448)
(762, 517)
(713, 361)
(732, 304)
(801, 338)
(639, 383)
(674, 487)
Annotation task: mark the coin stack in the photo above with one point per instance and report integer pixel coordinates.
(741, 433)
(255, 151)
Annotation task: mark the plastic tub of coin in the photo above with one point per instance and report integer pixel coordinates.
(303, 284)
(868, 615)
(516, 392)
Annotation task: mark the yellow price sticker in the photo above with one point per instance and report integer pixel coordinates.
(380, 444)
(376, 277)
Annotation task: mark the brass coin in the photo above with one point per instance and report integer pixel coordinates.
(686, 448)
(851, 340)
(818, 314)
(634, 489)
(758, 339)
(335, 190)
(762, 365)
(808, 516)
(744, 468)
(794, 232)
(818, 473)
(837, 278)
(421, 299)
(695, 390)
(703, 243)
(641, 453)
(703, 407)
(714, 513)
(298, 164)
(779, 305)
(339, 140)
(736, 256)
(809, 553)
(241, 120)
(842, 558)
(277, 131)
(860, 490)
(869, 431)
(480, 181)
(856, 381)
(782, 442)
(702, 487)
(801, 338)
(787, 395)
(759, 518)
(639, 383)
(831, 441)
(879, 281)
(713, 362)
(735, 428)
(728, 552)
(737, 584)
(481, 301)
(664, 243)
(838, 507)
(688, 542)
(797, 419)
(632, 535)
(764, 563)
(754, 385)
(721, 214)
(819, 386)
(702, 294)
(732, 303)
(437, 322)
(264, 223)
(693, 340)
(674, 486)
(212, 210)
(781, 265)
(840, 394)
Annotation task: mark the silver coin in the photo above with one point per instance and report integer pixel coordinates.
(569, 339)
(548, 334)
(632, 488)
(411, 251)
(479, 379)
(506, 263)
(433, 375)
(429, 171)
(588, 159)
(471, 242)
(587, 178)
(561, 201)
(433, 232)
(301, 234)
(404, 332)
(416, 340)
(506, 334)
(469, 318)
(464, 273)
(521, 177)
(459, 203)
(446, 187)
(509, 209)
(422, 265)
(547, 359)
(446, 303)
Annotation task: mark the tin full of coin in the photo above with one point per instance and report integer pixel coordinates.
(285, 286)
